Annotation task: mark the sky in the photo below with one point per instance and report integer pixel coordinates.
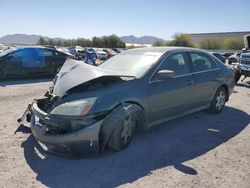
(160, 18)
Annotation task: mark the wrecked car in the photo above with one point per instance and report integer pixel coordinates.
(31, 61)
(89, 107)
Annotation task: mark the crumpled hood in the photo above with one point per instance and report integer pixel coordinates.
(74, 73)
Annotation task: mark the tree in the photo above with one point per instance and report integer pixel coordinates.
(212, 43)
(115, 42)
(111, 41)
(41, 41)
(58, 43)
(98, 42)
(159, 43)
(51, 42)
(233, 44)
(181, 39)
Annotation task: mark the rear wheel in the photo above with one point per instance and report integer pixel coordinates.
(218, 102)
(123, 133)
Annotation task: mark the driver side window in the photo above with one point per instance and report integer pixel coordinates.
(176, 62)
(27, 56)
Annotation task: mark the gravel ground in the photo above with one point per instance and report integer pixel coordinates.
(200, 150)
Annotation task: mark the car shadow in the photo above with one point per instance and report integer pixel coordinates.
(169, 144)
(16, 81)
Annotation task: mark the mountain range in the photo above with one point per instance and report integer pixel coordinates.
(140, 40)
(33, 39)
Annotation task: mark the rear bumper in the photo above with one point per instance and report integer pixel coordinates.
(84, 142)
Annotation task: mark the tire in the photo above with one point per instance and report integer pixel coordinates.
(218, 102)
(122, 135)
(237, 76)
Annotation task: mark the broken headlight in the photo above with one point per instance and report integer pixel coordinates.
(74, 108)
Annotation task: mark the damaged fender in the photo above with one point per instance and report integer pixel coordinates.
(116, 117)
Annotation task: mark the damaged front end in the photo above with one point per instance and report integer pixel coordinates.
(77, 135)
(63, 121)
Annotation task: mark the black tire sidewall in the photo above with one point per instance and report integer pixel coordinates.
(115, 141)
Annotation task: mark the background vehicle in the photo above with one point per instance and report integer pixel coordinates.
(243, 67)
(89, 56)
(134, 90)
(227, 54)
(234, 58)
(27, 61)
(101, 55)
(77, 51)
(110, 52)
(116, 50)
(220, 57)
(2, 47)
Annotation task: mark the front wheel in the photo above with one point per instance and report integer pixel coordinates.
(218, 102)
(123, 133)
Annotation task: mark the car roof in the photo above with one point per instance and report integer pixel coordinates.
(162, 49)
(38, 47)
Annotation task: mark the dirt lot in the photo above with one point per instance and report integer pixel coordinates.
(200, 150)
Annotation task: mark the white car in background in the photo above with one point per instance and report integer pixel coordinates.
(2, 47)
(101, 55)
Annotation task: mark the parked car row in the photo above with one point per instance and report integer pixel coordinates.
(240, 61)
(103, 54)
(35, 60)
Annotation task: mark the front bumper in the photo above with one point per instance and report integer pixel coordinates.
(85, 141)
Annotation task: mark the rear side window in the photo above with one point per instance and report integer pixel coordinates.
(202, 62)
(44, 52)
(177, 63)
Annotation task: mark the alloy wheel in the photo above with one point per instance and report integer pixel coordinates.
(220, 100)
(128, 128)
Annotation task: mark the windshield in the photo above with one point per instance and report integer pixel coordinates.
(91, 50)
(136, 64)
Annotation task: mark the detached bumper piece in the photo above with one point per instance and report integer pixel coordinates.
(65, 135)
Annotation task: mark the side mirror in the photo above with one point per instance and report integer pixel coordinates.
(166, 74)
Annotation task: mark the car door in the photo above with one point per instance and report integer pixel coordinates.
(30, 61)
(207, 77)
(52, 60)
(14, 63)
(171, 97)
(41, 62)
